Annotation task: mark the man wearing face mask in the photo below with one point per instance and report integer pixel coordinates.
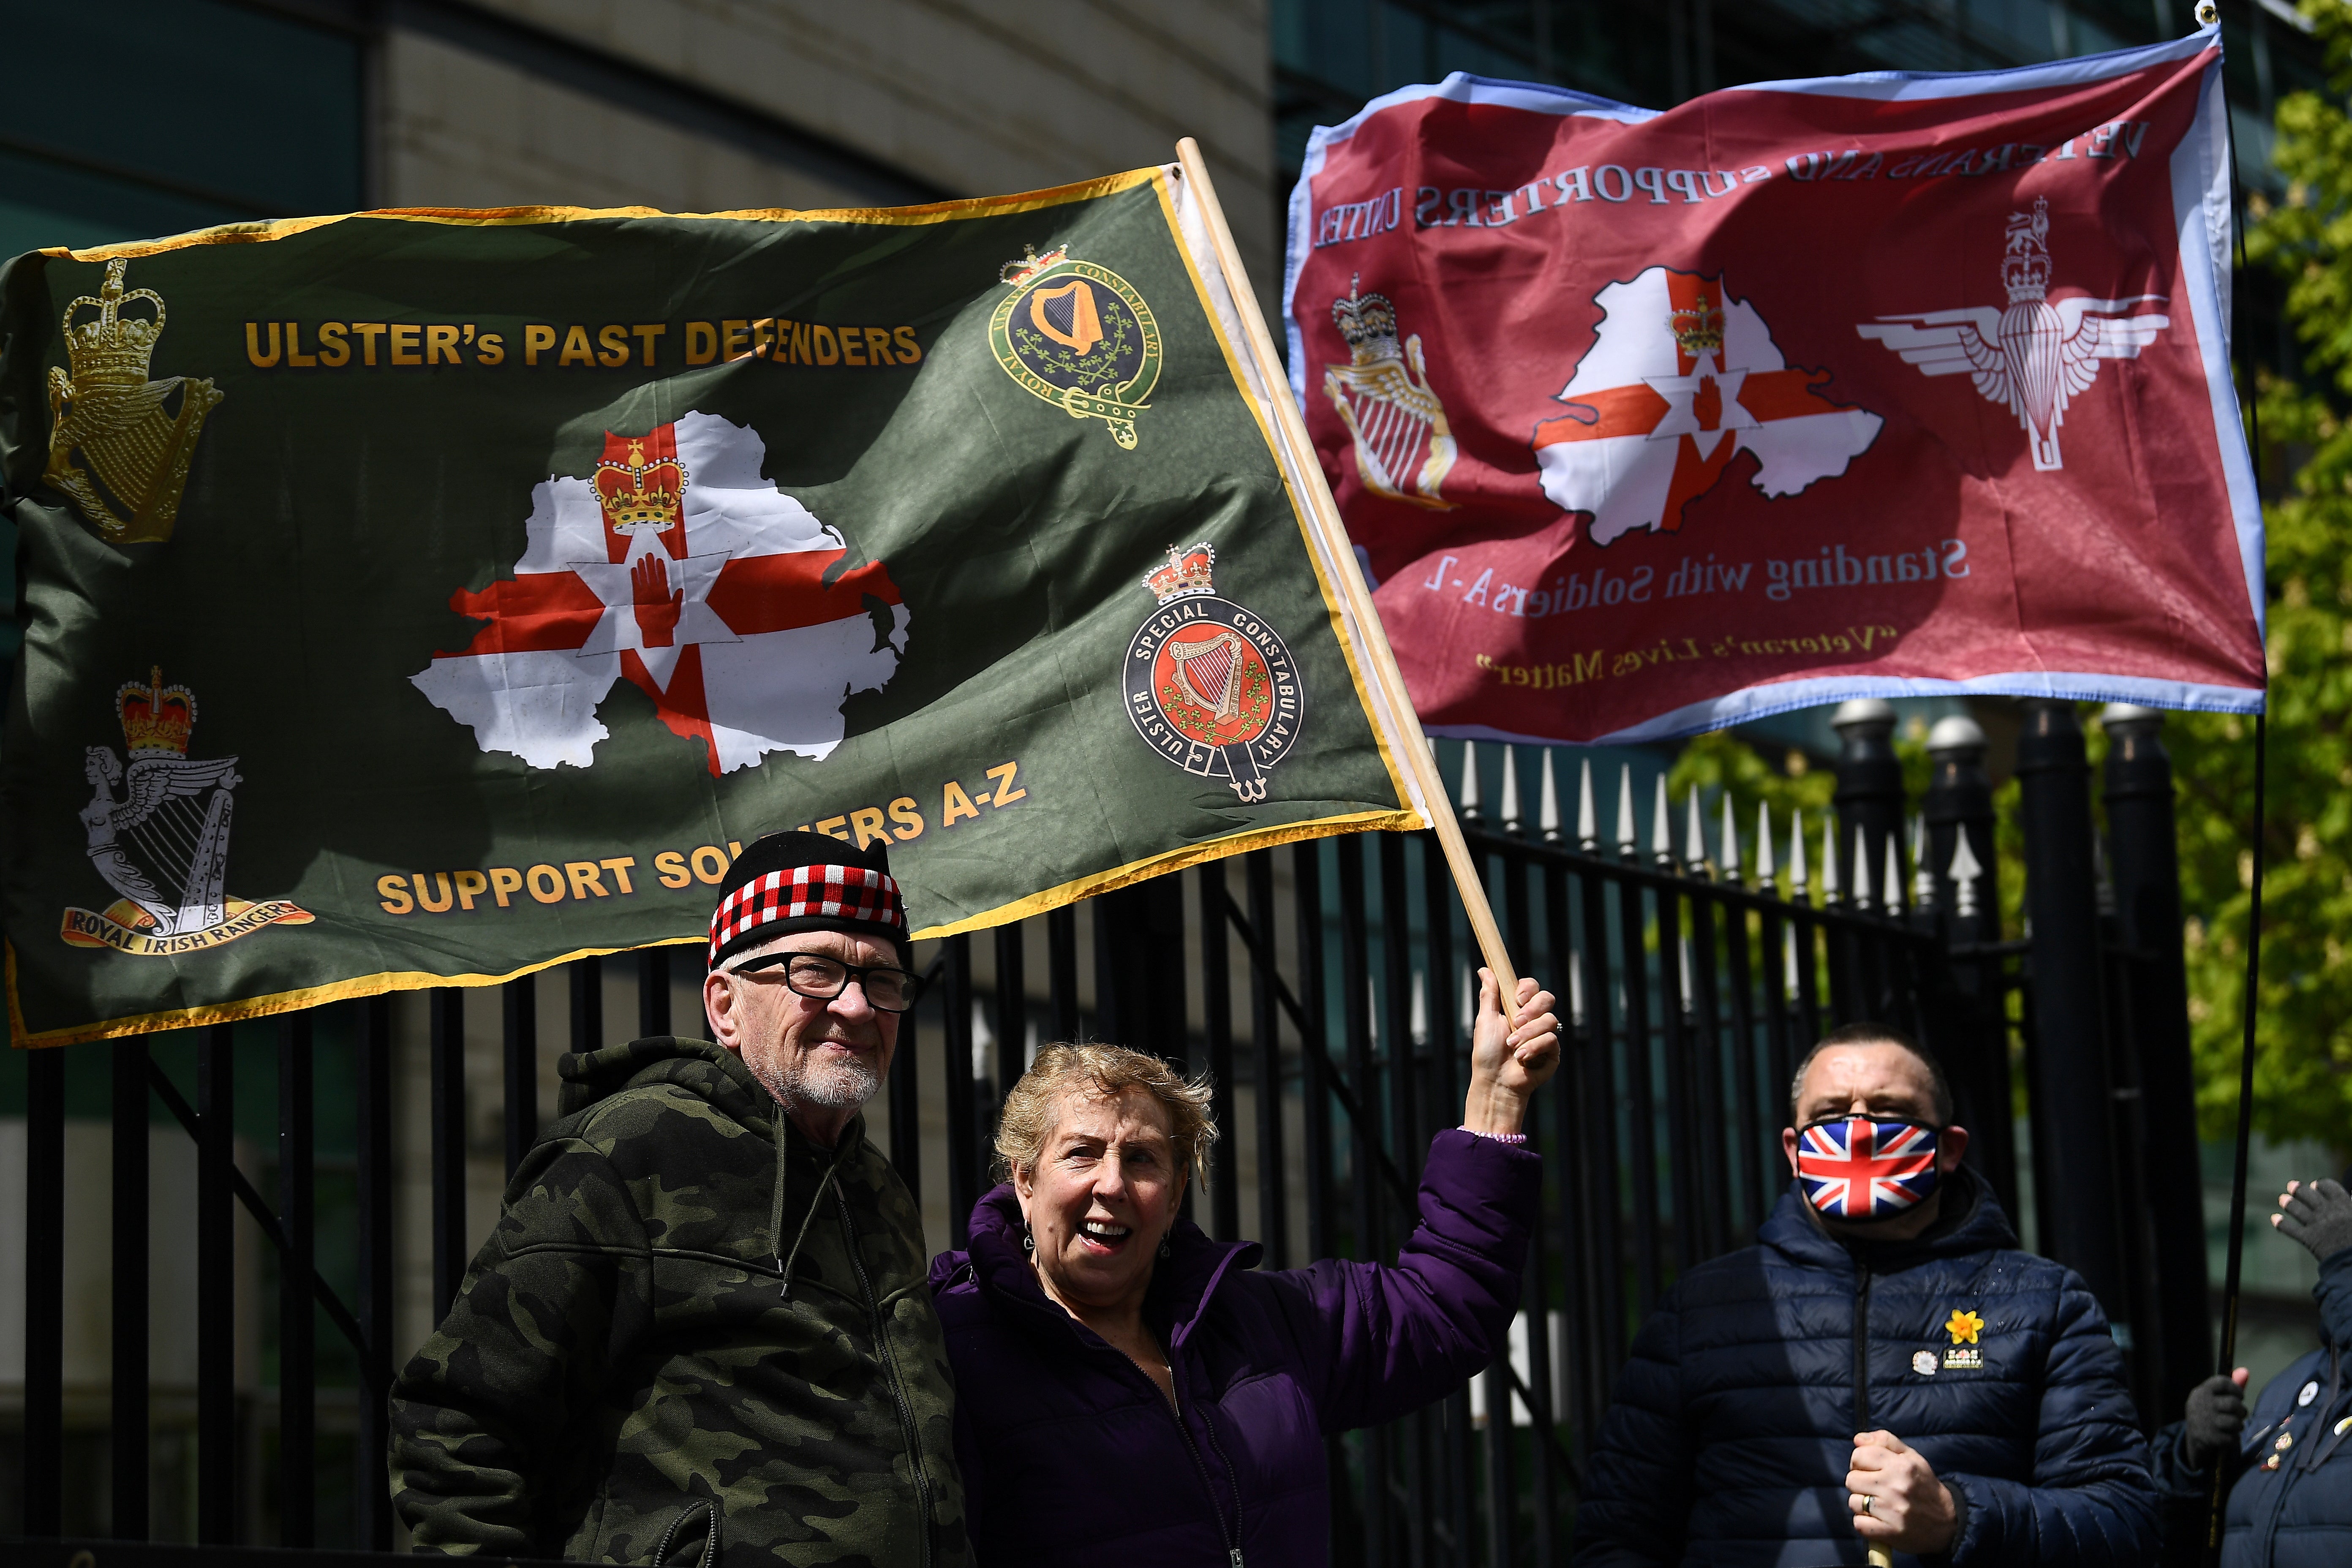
(702, 1333)
(1883, 1369)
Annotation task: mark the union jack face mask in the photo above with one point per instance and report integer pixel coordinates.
(1865, 1167)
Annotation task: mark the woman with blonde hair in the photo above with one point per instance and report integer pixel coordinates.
(1130, 1391)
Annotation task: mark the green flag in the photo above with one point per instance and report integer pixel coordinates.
(423, 598)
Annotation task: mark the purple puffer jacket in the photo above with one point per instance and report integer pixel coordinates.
(1070, 1455)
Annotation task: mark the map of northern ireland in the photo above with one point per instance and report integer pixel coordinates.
(677, 567)
(1681, 378)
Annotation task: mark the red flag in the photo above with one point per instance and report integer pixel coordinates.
(1873, 385)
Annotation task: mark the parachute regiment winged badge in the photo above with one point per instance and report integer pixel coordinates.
(1210, 686)
(106, 412)
(2034, 356)
(1078, 336)
(1397, 422)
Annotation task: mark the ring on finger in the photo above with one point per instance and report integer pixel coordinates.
(1867, 1500)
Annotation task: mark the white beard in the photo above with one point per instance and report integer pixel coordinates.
(834, 1086)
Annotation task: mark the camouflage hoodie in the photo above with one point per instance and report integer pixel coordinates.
(670, 1351)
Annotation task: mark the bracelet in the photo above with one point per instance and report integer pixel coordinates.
(1513, 1138)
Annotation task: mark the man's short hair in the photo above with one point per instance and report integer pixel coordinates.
(1867, 1033)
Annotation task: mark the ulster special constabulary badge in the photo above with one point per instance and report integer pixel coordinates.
(163, 843)
(136, 434)
(1210, 686)
(1078, 336)
(1403, 447)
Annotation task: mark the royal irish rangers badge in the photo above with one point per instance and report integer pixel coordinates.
(1078, 336)
(162, 842)
(1210, 686)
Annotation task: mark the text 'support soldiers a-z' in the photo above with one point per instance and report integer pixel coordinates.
(700, 1332)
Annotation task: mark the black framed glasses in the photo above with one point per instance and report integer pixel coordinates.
(821, 979)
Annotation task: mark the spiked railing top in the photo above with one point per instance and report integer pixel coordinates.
(1861, 900)
(1831, 892)
(1965, 871)
(1470, 812)
(1891, 884)
(1588, 818)
(1797, 889)
(1923, 876)
(1662, 829)
(1510, 791)
(1693, 836)
(1625, 845)
(1729, 856)
(1547, 807)
(1420, 1009)
(1764, 845)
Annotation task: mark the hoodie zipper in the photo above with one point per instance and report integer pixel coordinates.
(1862, 1353)
(881, 1343)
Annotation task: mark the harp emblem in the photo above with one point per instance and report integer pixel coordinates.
(158, 834)
(1078, 336)
(1403, 447)
(135, 436)
(1210, 686)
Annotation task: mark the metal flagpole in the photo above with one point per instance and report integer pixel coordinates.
(2245, 1132)
(2207, 13)
(1323, 516)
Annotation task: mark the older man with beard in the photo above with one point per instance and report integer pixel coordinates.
(700, 1333)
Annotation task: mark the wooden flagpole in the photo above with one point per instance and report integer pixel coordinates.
(1323, 516)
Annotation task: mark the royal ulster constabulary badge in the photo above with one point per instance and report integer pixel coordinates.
(1078, 336)
(137, 435)
(1210, 686)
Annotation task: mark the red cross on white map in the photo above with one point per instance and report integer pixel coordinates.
(677, 567)
(1679, 380)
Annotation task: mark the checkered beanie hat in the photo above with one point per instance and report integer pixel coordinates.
(791, 882)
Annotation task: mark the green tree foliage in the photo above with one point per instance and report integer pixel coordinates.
(2303, 1082)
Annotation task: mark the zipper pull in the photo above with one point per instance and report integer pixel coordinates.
(1236, 1554)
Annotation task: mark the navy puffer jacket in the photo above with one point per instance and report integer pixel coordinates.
(2298, 1514)
(1731, 1431)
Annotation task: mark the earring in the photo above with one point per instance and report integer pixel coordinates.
(1028, 1241)
(1164, 1251)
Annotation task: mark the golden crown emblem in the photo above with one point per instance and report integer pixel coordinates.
(640, 497)
(106, 413)
(112, 349)
(1186, 574)
(1698, 329)
(1031, 264)
(156, 718)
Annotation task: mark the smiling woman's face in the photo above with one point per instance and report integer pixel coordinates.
(1101, 1197)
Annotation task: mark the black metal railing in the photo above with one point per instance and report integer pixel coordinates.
(1324, 985)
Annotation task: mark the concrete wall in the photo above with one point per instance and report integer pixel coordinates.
(973, 100)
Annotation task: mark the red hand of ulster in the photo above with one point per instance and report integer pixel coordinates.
(658, 604)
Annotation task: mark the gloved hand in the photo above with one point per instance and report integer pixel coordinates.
(2215, 1415)
(2316, 1213)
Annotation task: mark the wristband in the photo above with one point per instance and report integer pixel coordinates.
(1511, 1138)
